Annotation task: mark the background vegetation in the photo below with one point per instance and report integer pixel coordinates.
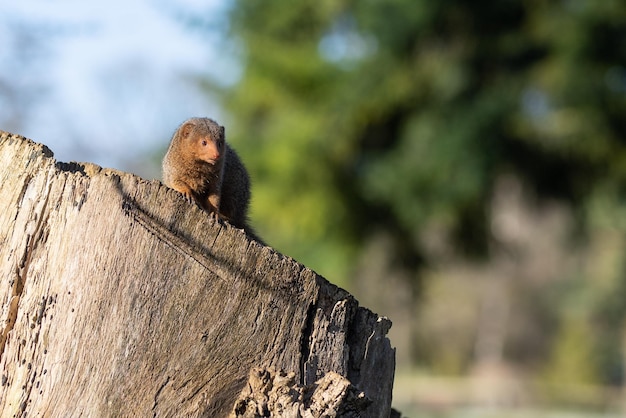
(460, 166)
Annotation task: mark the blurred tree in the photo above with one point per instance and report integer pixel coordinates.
(362, 119)
(390, 115)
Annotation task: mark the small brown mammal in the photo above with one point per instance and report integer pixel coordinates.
(205, 169)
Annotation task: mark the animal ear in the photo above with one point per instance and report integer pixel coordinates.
(186, 129)
(222, 131)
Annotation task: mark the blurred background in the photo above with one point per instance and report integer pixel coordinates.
(459, 166)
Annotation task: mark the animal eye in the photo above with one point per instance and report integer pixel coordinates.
(204, 142)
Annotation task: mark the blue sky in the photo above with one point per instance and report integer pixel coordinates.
(108, 82)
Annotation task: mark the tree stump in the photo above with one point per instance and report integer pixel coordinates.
(119, 298)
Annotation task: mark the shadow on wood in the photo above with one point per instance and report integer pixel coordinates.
(119, 298)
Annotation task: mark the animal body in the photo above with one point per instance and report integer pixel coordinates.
(206, 170)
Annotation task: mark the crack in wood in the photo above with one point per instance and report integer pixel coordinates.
(20, 198)
(9, 322)
(158, 393)
(305, 342)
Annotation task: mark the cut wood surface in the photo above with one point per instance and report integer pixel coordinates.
(119, 298)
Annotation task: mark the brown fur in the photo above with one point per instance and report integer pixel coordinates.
(205, 169)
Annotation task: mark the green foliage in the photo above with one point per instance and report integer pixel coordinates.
(358, 116)
(361, 117)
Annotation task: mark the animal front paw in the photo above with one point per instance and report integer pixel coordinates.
(188, 196)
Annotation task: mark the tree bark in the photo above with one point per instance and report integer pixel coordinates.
(119, 298)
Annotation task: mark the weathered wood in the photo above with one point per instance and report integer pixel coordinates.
(119, 298)
(271, 393)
